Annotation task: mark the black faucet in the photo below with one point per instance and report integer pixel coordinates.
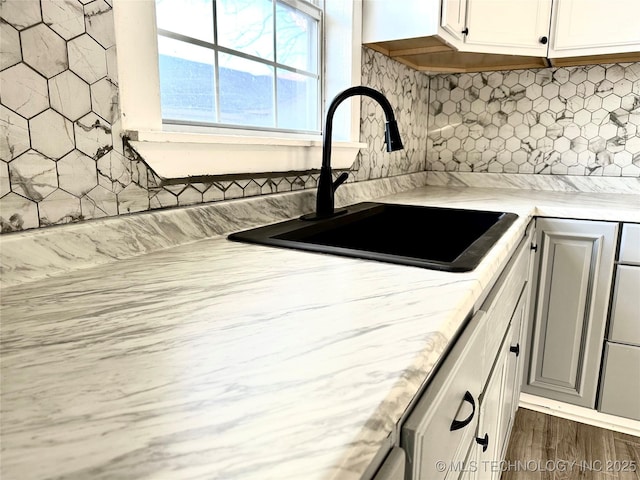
(326, 185)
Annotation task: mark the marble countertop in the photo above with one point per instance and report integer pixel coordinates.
(220, 360)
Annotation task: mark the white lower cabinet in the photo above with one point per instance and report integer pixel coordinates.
(490, 429)
(584, 331)
(393, 466)
(445, 417)
(499, 400)
(584, 328)
(470, 465)
(459, 427)
(515, 366)
(620, 377)
(624, 326)
(621, 381)
(546, 316)
(573, 275)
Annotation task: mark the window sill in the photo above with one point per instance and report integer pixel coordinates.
(178, 155)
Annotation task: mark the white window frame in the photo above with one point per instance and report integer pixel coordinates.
(175, 152)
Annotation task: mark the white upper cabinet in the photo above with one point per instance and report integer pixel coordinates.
(508, 27)
(476, 35)
(386, 20)
(454, 19)
(594, 27)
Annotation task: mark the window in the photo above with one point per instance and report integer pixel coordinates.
(182, 131)
(240, 63)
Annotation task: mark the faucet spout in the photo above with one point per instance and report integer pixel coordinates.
(326, 187)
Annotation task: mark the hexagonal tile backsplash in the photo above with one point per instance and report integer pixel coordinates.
(62, 158)
(62, 155)
(564, 121)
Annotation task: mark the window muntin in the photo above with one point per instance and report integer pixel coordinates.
(240, 63)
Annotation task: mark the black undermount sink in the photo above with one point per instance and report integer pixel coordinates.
(449, 239)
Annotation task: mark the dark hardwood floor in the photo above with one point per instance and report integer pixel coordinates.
(543, 447)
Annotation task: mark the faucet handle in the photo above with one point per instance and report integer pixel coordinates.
(392, 136)
(340, 180)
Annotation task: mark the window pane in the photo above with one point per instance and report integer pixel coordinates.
(187, 81)
(297, 39)
(241, 76)
(246, 92)
(246, 26)
(297, 101)
(193, 18)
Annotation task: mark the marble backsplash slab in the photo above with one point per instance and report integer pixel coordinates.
(555, 183)
(36, 254)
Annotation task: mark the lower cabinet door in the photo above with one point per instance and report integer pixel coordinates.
(620, 393)
(445, 418)
(466, 467)
(470, 471)
(573, 273)
(513, 372)
(491, 429)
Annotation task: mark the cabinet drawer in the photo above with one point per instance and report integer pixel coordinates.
(621, 381)
(625, 312)
(630, 244)
(501, 303)
(427, 435)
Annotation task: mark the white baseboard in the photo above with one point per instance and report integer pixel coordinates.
(580, 414)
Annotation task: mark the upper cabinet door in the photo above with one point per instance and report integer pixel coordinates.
(594, 27)
(508, 27)
(454, 19)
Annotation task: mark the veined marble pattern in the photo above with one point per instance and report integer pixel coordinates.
(44, 50)
(93, 136)
(15, 134)
(235, 382)
(557, 183)
(69, 95)
(65, 17)
(24, 91)
(10, 53)
(104, 99)
(621, 207)
(408, 92)
(5, 188)
(52, 134)
(28, 256)
(60, 100)
(33, 175)
(21, 13)
(563, 121)
(87, 59)
(99, 21)
(24, 213)
(184, 363)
